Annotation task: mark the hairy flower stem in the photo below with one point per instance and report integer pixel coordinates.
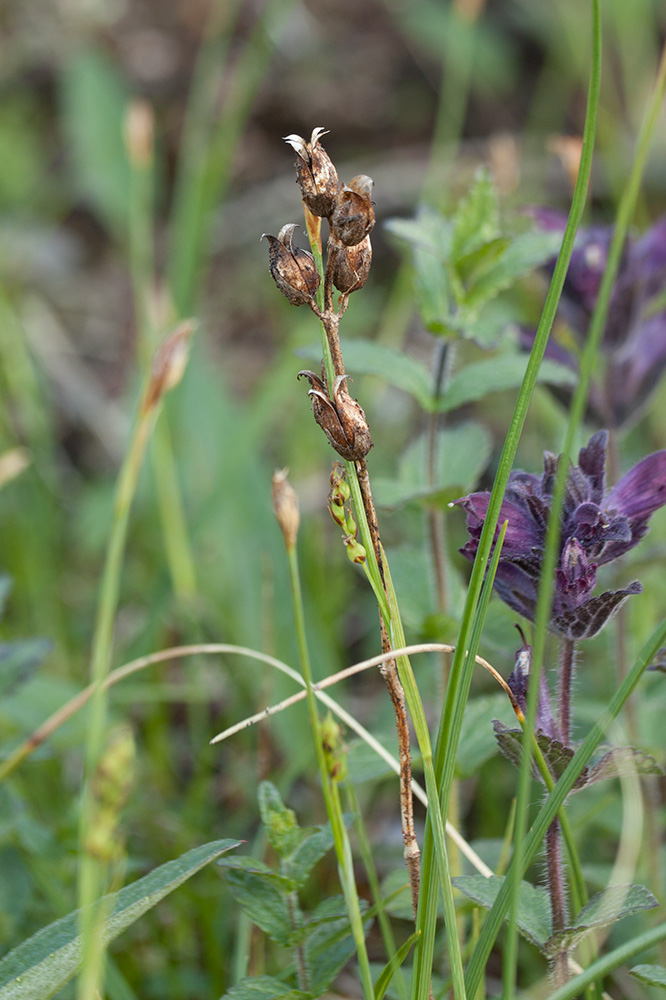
(567, 664)
(558, 902)
(555, 865)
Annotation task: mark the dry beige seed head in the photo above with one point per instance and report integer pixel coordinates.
(140, 133)
(315, 173)
(285, 507)
(293, 270)
(169, 363)
(353, 216)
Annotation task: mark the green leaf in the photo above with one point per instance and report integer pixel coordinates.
(281, 824)
(476, 221)
(330, 945)
(603, 909)
(474, 264)
(621, 761)
(263, 988)
(461, 454)
(18, 661)
(525, 252)
(42, 965)
(533, 912)
(262, 895)
(477, 739)
(394, 963)
(651, 975)
(505, 371)
(311, 849)
(397, 895)
(429, 236)
(363, 357)
(94, 98)
(365, 764)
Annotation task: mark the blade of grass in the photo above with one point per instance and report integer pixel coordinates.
(427, 913)
(460, 679)
(330, 785)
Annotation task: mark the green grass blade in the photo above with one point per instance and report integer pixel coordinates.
(553, 803)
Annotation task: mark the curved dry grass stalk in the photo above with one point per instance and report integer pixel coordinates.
(66, 711)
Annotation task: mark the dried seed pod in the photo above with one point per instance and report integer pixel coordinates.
(351, 265)
(353, 216)
(315, 173)
(340, 417)
(293, 270)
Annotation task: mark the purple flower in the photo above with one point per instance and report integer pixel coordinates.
(596, 527)
(634, 340)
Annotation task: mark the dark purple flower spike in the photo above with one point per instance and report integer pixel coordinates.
(597, 526)
(634, 340)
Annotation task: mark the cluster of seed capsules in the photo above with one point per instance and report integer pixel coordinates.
(350, 216)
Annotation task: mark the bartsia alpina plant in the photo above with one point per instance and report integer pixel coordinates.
(597, 527)
(634, 339)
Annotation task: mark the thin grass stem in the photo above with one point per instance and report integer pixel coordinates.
(330, 786)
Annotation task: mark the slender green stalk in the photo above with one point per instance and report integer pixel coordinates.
(140, 150)
(329, 785)
(427, 914)
(553, 804)
(365, 849)
(93, 872)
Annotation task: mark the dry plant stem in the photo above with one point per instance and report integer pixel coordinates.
(412, 851)
(390, 674)
(330, 320)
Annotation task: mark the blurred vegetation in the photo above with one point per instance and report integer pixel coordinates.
(112, 226)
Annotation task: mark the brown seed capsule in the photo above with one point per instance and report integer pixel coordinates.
(351, 265)
(293, 270)
(315, 173)
(340, 417)
(353, 216)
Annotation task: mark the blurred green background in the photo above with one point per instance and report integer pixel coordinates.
(106, 237)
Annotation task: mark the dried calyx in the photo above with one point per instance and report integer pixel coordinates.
(351, 265)
(293, 270)
(315, 173)
(353, 216)
(340, 417)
